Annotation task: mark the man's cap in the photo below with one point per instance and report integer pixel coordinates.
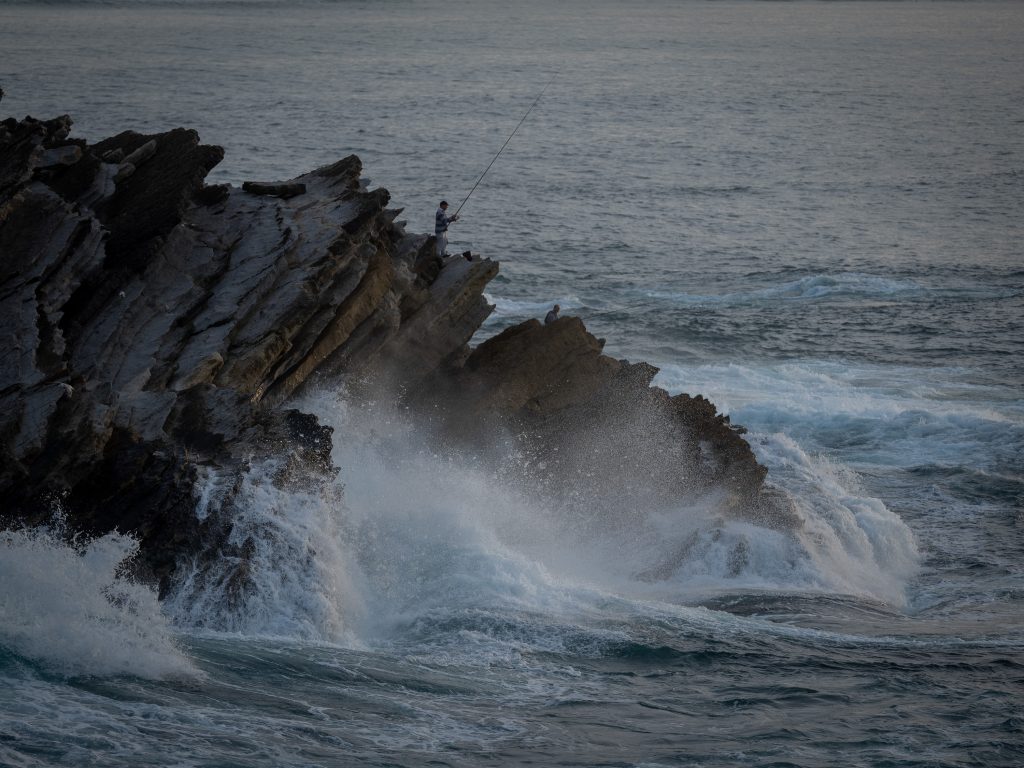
(444, 202)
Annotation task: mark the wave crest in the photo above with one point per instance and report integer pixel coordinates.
(69, 606)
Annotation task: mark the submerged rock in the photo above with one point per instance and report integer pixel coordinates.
(155, 329)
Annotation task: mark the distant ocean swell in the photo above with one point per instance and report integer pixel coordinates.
(822, 287)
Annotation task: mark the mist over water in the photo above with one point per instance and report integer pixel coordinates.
(421, 532)
(807, 212)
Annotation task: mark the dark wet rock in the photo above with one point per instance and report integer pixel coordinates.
(154, 331)
(599, 433)
(274, 189)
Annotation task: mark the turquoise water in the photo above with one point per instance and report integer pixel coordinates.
(809, 212)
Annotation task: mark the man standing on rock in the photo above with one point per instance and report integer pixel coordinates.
(441, 222)
(552, 315)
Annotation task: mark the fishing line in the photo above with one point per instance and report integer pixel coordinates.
(504, 145)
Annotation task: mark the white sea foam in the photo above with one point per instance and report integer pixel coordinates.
(854, 540)
(420, 534)
(804, 289)
(415, 532)
(67, 607)
(886, 416)
(502, 545)
(284, 571)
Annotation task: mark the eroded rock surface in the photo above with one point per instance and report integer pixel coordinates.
(596, 432)
(155, 328)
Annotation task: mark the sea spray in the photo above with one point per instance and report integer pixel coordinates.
(412, 530)
(704, 149)
(284, 569)
(858, 545)
(70, 607)
(847, 541)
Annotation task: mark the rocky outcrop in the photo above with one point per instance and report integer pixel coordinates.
(155, 328)
(594, 430)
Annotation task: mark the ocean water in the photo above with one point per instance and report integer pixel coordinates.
(809, 212)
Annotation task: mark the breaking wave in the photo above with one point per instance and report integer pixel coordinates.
(70, 608)
(419, 534)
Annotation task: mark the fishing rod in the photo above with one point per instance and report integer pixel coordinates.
(504, 145)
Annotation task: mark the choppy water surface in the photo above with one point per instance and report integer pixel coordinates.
(809, 212)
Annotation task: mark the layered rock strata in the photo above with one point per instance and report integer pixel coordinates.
(155, 328)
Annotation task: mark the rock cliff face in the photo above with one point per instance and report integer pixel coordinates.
(155, 327)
